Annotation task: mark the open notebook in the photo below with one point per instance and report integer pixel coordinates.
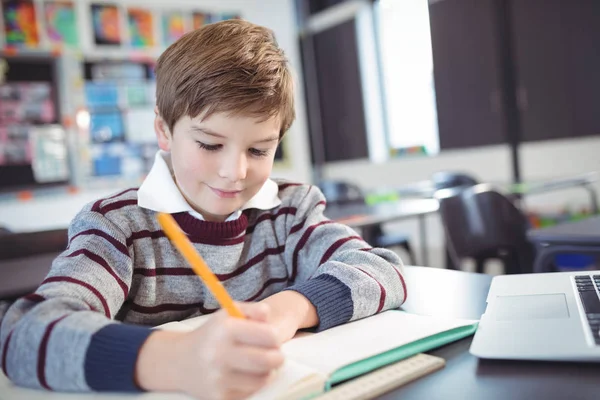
(317, 361)
(314, 361)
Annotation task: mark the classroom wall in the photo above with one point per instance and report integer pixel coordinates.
(539, 160)
(51, 211)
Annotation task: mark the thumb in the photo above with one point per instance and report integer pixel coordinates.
(255, 311)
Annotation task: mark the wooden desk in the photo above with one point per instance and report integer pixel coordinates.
(463, 295)
(363, 216)
(570, 237)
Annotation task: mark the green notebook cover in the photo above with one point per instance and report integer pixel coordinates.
(419, 346)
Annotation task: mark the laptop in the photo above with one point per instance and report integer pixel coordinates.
(547, 316)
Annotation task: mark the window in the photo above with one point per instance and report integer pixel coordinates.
(407, 68)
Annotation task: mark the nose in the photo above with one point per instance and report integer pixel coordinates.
(234, 168)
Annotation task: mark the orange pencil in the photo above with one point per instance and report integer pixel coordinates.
(183, 244)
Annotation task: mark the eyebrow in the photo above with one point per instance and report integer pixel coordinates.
(215, 134)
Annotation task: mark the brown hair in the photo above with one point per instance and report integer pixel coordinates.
(231, 66)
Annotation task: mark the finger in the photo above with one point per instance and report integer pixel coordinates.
(255, 311)
(253, 333)
(244, 382)
(237, 395)
(253, 360)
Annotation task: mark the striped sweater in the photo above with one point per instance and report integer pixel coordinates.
(83, 327)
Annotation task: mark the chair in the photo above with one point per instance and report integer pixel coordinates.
(452, 180)
(448, 179)
(481, 223)
(342, 193)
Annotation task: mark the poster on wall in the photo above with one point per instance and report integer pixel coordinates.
(26, 103)
(106, 126)
(229, 15)
(141, 27)
(173, 26)
(15, 146)
(199, 19)
(106, 25)
(60, 21)
(20, 24)
(49, 153)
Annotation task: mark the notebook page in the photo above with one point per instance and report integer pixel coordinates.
(291, 381)
(332, 349)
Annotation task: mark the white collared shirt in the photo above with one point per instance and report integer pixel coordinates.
(160, 193)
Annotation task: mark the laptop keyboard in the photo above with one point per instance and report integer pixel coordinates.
(587, 286)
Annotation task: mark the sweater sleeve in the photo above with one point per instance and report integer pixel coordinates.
(332, 266)
(63, 336)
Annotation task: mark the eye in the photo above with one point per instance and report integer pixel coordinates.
(259, 153)
(209, 147)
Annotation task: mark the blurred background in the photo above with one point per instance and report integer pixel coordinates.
(396, 100)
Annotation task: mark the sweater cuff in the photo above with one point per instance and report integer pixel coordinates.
(331, 298)
(111, 357)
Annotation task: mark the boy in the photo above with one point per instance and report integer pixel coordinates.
(224, 101)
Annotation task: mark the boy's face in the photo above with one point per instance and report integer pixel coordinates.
(220, 162)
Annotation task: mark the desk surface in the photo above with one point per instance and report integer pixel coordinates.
(463, 295)
(584, 232)
(360, 215)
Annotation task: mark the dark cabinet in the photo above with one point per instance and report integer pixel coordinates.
(557, 46)
(583, 53)
(540, 51)
(556, 59)
(340, 93)
(466, 73)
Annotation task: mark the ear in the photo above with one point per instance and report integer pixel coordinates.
(162, 132)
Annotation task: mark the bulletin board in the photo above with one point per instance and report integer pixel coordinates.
(120, 99)
(111, 48)
(33, 144)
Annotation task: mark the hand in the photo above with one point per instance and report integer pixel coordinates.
(290, 311)
(226, 358)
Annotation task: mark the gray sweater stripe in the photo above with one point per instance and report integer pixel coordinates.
(104, 264)
(117, 205)
(336, 246)
(97, 232)
(68, 279)
(98, 202)
(268, 283)
(383, 292)
(253, 261)
(302, 243)
(271, 217)
(152, 272)
(182, 307)
(155, 235)
(167, 307)
(42, 351)
(5, 354)
(120, 269)
(404, 288)
(34, 297)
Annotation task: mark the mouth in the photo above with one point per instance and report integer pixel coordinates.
(225, 194)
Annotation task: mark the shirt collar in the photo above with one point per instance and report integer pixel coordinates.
(160, 193)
